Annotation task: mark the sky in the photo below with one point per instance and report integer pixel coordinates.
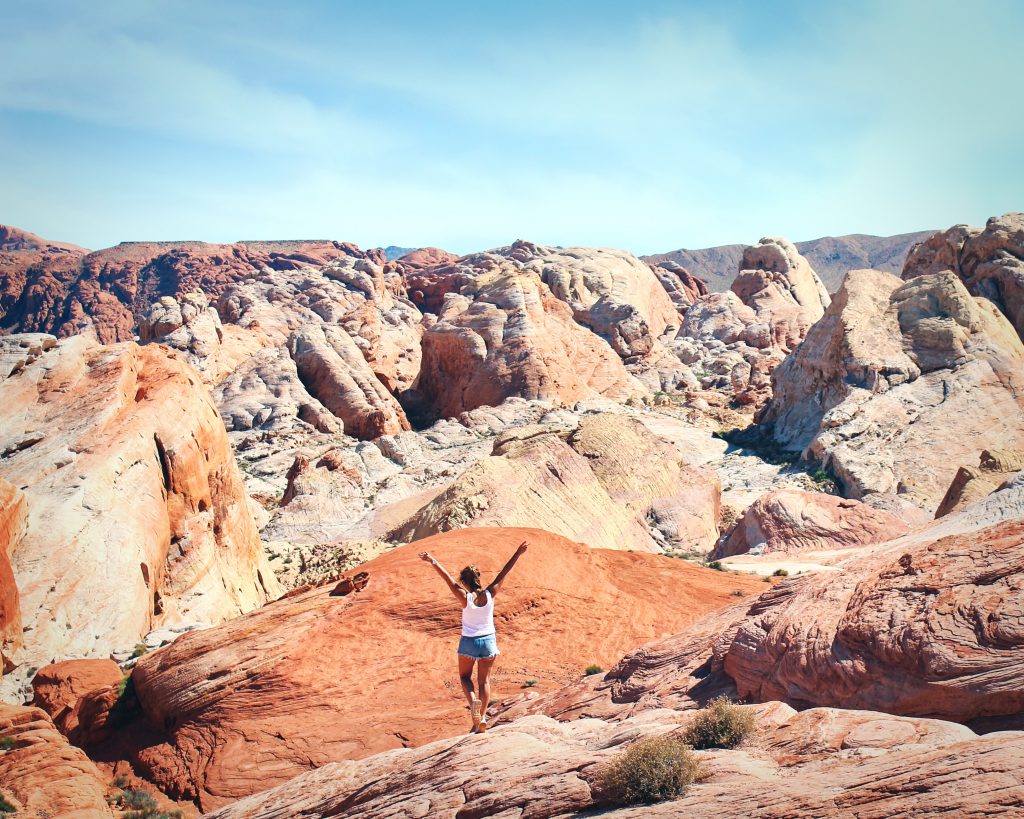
(466, 125)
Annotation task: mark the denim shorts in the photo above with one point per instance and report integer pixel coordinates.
(479, 648)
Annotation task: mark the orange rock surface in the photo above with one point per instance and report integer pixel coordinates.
(42, 775)
(57, 688)
(314, 678)
(12, 528)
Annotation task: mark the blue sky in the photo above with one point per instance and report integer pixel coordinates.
(466, 125)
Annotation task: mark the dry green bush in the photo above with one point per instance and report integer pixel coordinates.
(720, 725)
(650, 770)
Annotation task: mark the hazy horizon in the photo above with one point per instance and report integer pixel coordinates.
(465, 126)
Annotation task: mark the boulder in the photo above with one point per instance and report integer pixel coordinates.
(611, 484)
(58, 687)
(41, 774)
(792, 520)
(244, 690)
(973, 483)
(133, 498)
(898, 384)
(989, 261)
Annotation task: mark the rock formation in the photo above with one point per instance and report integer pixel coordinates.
(505, 334)
(791, 520)
(62, 289)
(133, 499)
(13, 520)
(819, 763)
(972, 483)
(41, 774)
(989, 261)
(832, 257)
(58, 688)
(611, 484)
(900, 383)
(245, 690)
(923, 625)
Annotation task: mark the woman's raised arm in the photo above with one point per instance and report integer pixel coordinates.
(493, 588)
(457, 590)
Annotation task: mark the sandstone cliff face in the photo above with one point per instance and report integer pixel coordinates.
(989, 261)
(899, 383)
(972, 483)
(245, 690)
(611, 484)
(133, 499)
(818, 763)
(791, 520)
(13, 521)
(42, 775)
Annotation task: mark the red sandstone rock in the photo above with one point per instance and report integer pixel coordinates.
(57, 688)
(246, 690)
(42, 775)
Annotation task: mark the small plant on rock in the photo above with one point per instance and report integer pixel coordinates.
(720, 725)
(530, 683)
(6, 743)
(592, 669)
(650, 770)
(139, 650)
(780, 573)
(716, 565)
(5, 806)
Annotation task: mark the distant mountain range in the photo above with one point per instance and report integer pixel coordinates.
(831, 257)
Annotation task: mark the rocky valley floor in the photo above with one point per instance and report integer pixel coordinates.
(808, 502)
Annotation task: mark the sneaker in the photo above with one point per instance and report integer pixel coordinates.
(476, 712)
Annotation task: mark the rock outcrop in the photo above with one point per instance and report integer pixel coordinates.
(62, 289)
(733, 341)
(41, 774)
(13, 522)
(989, 261)
(820, 763)
(791, 520)
(898, 384)
(610, 484)
(924, 625)
(57, 688)
(505, 334)
(972, 483)
(133, 499)
(244, 690)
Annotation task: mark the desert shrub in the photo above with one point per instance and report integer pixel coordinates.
(140, 649)
(5, 806)
(127, 706)
(6, 743)
(716, 565)
(592, 669)
(737, 592)
(530, 683)
(140, 804)
(650, 770)
(720, 725)
(780, 573)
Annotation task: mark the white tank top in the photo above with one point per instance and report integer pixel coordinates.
(478, 621)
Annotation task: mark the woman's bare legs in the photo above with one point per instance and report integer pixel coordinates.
(466, 677)
(483, 671)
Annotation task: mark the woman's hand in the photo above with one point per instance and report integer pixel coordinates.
(522, 548)
(427, 557)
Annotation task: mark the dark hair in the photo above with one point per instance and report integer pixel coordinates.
(470, 577)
